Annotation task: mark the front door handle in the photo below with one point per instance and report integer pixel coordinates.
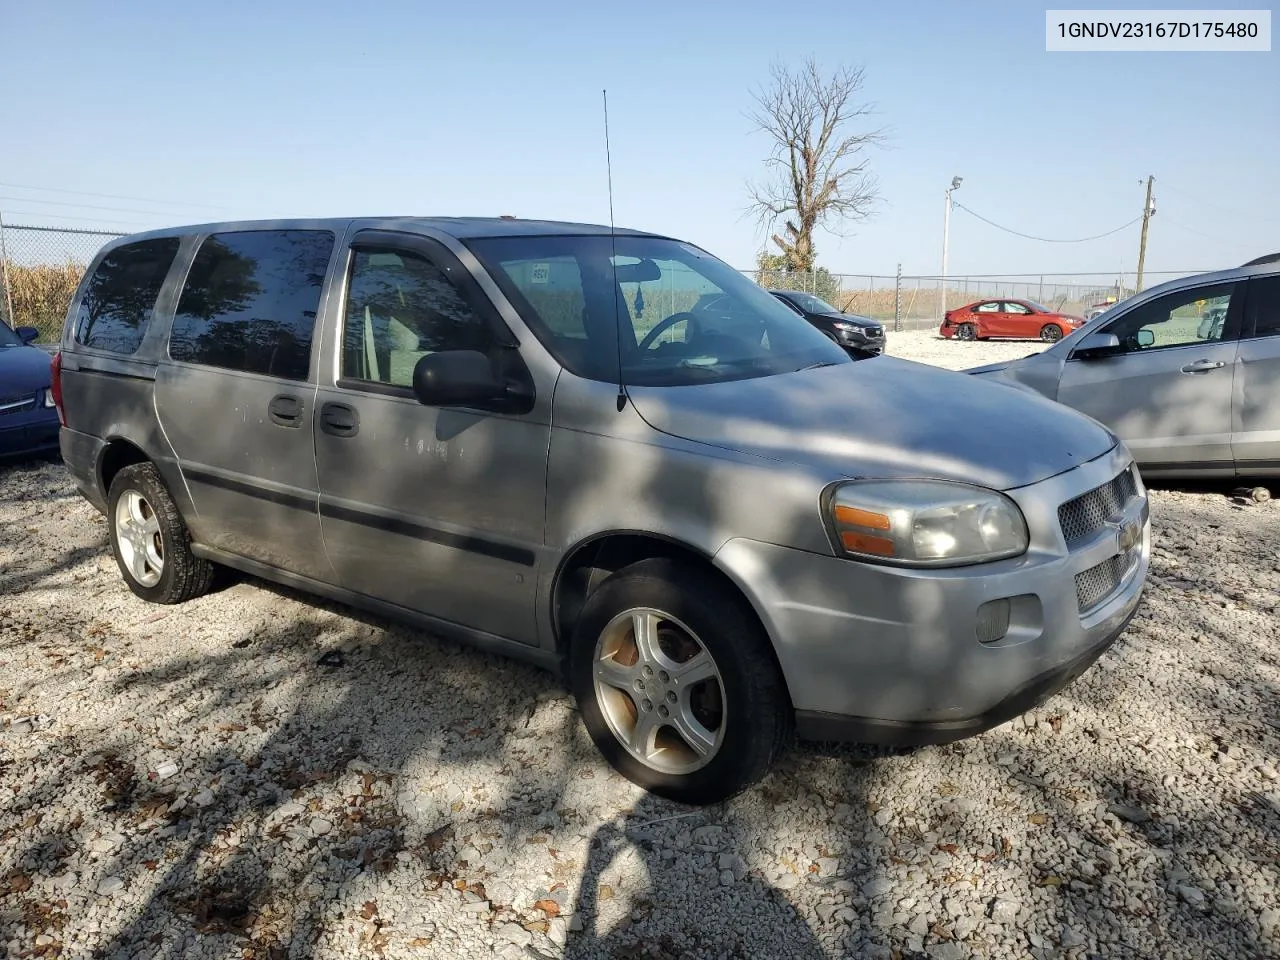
(339, 420)
(1202, 366)
(285, 410)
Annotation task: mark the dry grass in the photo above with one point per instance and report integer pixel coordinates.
(41, 295)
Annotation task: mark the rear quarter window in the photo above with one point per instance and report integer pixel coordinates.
(250, 302)
(121, 295)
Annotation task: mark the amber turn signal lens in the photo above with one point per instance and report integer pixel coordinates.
(862, 518)
(865, 543)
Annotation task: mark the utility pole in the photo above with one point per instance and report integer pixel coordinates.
(946, 238)
(1147, 211)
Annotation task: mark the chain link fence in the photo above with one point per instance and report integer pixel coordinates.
(40, 268)
(917, 302)
(43, 265)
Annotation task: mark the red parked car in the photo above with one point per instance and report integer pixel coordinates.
(1015, 319)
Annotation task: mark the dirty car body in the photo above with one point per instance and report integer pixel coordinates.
(538, 437)
(1186, 373)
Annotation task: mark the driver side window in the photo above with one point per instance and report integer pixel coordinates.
(400, 307)
(1016, 308)
(1178, 320)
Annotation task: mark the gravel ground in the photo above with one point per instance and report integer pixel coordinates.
(256, 775)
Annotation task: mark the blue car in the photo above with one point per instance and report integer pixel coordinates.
(28, 417)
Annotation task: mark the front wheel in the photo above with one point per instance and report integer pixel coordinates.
(678, 684)
(1051, 333)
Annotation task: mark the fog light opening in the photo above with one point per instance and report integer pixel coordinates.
(993, 621)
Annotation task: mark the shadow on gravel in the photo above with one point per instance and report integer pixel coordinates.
(255, 853)
(739, 916)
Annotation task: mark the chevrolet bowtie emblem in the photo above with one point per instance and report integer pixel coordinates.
(1130, 534)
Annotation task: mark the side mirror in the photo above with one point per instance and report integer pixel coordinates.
(1145, 337)
(1097, 345)
(27, 334)
(456, 378)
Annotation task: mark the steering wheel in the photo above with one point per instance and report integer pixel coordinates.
(664, 325)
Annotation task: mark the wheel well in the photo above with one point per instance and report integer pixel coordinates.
(117, 455)
(590, 563)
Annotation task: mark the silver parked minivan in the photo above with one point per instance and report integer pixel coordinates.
(715, 523)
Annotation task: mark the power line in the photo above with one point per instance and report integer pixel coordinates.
(1214, 203)
(84, 206)
(56, 216)
(1027, 236)
(1207, 236)
(111, 196)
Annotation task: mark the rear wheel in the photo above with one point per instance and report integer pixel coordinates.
(1051, 333)
(966, 331)
(150, 542)
(677, 683)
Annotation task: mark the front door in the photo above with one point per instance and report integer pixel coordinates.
(237, 399)
(1167, 393)
(1017, 320)
(1256, 440)
(437, 510)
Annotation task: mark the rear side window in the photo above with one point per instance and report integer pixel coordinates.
(1264, 304)
(121, 295)
(250, 302)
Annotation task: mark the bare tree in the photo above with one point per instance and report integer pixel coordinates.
(819, 164)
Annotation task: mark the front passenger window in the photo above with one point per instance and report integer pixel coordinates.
(400, 307)
(1178, 319)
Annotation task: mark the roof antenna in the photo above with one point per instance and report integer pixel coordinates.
(613, 242)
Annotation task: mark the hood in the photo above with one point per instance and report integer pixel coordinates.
(23, 370)
(883, 417)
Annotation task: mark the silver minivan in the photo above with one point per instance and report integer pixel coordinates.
(716, 525)
(1186, 373)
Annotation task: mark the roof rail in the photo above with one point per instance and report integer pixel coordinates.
(1269, 258)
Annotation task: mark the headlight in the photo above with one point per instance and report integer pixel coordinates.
(46, 396)
(925, 523)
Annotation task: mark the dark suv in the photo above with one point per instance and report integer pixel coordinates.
(847, 329)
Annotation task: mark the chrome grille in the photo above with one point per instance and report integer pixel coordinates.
(1086, 514)
(16, 404)
(1101, 581)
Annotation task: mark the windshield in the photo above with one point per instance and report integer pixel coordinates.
(7, 337)
(811, 304)
(684, 316)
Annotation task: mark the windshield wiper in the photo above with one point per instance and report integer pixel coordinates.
(820, 363)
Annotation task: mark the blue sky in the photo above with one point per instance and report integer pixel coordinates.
(289, 108)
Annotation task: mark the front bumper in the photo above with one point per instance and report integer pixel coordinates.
(859, 341)
(891, 655)
(29, 434)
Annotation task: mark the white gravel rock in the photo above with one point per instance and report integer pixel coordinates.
(415, 752)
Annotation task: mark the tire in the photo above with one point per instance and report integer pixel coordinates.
(966, 331)
(743, 712)
(151, 544)
(1051, 333)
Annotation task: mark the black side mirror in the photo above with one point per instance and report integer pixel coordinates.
(465, 378)
(27, 334)
(1145, 337)
(1097, 345)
